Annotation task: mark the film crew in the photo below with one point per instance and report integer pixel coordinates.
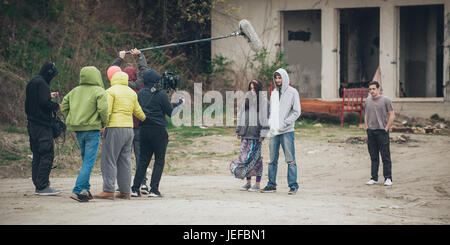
(39, 108)
(284, 110)
(252, 128)
(136, 82)
(86, 110)
(153, 135)
(378, 118)
(118, 137)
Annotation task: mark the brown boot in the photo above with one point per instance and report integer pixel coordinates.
(105, 195)
(123, 196)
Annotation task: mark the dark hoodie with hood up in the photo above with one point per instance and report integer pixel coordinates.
(38, 104)
(154, 101)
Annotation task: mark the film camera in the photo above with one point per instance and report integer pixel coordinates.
(169, 80)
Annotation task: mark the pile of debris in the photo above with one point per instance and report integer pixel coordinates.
(434, 125)
(356, 140)
(402, 139)
(429, 129)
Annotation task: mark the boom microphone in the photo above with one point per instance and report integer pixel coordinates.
(245, 29)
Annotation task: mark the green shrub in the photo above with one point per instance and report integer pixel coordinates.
(265, 69)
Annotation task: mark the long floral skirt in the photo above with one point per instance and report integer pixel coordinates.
(249, 162)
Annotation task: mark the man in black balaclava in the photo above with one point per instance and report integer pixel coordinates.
(153, 135)
(39, 108)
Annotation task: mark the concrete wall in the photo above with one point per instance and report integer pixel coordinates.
(302, 47)
(422, 109)
(265, 17)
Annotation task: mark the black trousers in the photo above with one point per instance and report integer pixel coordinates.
(42, 146)
(153, 140)
(378, 143)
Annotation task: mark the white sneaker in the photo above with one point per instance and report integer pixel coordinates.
(135, 194)
(371, 182)
(388, 182)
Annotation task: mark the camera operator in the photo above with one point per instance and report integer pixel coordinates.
(153, 135)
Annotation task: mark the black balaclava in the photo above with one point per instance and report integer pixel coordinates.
(48, 71)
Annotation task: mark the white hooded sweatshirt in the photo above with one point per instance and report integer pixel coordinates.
(284, 111)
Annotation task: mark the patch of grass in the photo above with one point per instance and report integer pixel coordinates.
(186, 142)
(436, 117)
(305, 123)
(15, 130)
(8, 159)
(12, 158)
(194, 132)
(5, 163)
(58, 165)
(170, 169)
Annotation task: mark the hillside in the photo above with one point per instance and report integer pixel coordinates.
(74, 34)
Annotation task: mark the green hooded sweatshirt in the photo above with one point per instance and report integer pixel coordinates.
(86, 107)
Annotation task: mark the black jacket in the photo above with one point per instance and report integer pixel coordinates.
(38, 104)
(154, 101)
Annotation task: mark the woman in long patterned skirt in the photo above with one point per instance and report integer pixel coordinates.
(251, 130)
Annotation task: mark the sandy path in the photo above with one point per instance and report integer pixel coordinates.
(332, 177)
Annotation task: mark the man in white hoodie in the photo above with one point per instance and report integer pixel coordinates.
(284, 111)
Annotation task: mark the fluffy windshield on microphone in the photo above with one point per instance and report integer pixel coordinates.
(247, 30)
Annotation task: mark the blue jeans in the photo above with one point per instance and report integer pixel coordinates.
(287, 143)
(88, 142)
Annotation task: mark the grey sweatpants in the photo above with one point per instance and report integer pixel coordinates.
(116, 159)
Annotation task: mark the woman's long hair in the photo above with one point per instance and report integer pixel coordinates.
(258, 87)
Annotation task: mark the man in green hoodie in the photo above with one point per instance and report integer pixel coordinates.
(86, 110)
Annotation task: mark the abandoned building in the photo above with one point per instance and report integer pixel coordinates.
(335, 44)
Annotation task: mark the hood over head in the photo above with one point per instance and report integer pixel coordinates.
(151, 77)
(90, 75)
(119, 78)
(284, 77)
(48, 71)
(131, 73)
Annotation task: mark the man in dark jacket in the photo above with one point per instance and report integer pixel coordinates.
(153, 135)
(39, 109)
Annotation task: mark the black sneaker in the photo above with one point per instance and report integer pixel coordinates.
(154, 194)
(268, 189)
(90, 197)
(292, 191)
(144, 189)
(82, 197)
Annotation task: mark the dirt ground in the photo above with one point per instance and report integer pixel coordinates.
(198, 188)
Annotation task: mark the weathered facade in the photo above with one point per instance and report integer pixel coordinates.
(331, 44)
